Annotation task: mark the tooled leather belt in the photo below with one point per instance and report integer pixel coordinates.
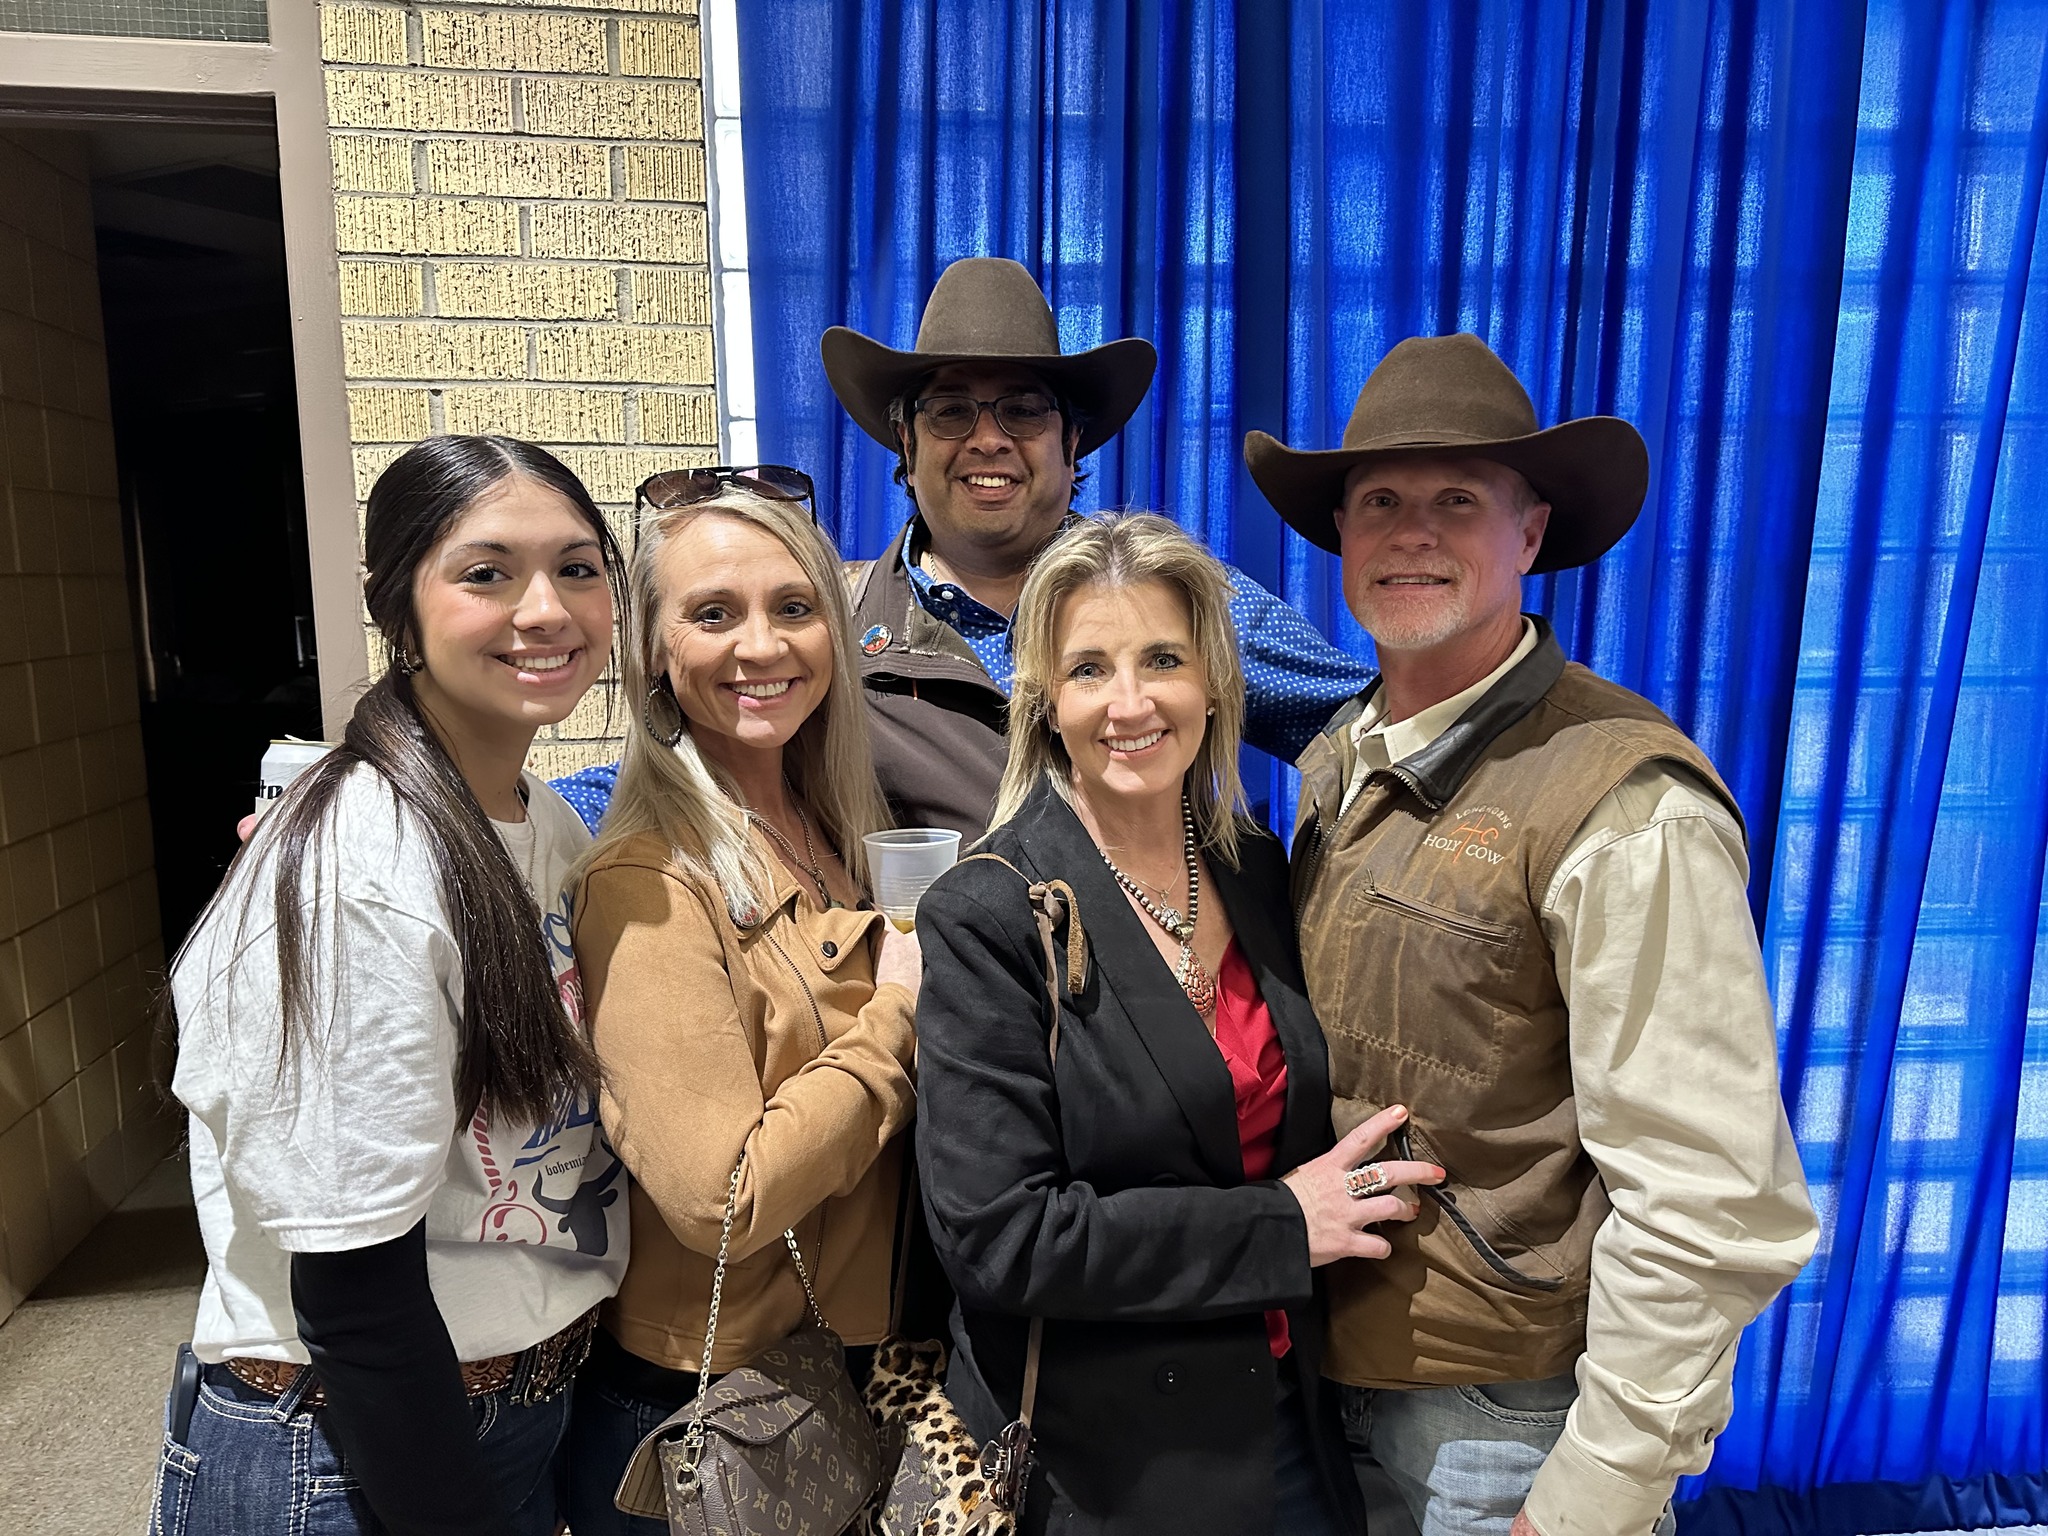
(553, 1362)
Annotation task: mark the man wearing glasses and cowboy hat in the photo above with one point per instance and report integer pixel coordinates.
(989, 420)
(1524, 915)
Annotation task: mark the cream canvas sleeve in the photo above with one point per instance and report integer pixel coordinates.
(1674, 1064)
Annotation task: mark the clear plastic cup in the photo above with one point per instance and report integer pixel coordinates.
(904, 863)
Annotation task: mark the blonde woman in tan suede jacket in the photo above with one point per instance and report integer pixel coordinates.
(743, 997)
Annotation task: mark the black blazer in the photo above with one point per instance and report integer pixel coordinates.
(1108, 1195)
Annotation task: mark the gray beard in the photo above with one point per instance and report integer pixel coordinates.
(1418, 632)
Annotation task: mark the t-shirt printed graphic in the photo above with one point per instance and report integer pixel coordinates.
(557, 1185)
(358, 1137)
(522, 1210)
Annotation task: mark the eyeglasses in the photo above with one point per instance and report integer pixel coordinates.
(680, 487)
(1026, 413)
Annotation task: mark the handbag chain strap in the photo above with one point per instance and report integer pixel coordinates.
(693, 1434)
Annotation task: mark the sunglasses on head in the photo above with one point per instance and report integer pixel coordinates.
(680, 487)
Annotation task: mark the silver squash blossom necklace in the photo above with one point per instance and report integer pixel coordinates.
(1195, 981)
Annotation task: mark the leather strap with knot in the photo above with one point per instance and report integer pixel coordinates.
(1052, 903)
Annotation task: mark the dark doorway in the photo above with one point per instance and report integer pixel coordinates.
(199, 362)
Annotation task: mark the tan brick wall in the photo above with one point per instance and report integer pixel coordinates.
(80, 1120)
(520, 215)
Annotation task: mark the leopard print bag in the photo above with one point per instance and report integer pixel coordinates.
(937, 1488)
(943, 1483)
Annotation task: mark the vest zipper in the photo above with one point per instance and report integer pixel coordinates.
(1413, 783)
(1313, 865)
(1310, 867)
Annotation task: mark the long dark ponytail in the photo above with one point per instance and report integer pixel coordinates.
(516, 1042)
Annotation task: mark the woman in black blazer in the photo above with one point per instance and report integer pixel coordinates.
(1106, 1190)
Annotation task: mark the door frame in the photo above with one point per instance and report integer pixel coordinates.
(57, 76)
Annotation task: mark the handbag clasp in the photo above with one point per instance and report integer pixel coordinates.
(1006, 1464)
(692, 1453)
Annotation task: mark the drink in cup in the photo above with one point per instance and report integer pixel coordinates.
(904, 863)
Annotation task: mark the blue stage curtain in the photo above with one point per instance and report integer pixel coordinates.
(1905, 915)
(1089, 140)
(1794, 241)
(1641, 209)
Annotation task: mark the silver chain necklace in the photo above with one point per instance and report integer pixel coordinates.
(1194, 979)
(808, 860)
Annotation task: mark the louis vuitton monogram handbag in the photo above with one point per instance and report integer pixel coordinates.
(782, 1444)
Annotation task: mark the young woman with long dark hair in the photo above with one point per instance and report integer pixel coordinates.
(395, 1151)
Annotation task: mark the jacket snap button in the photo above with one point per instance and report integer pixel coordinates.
(1168, 1378)
(830, 949)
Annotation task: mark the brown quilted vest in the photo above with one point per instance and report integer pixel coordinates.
(1429, 968)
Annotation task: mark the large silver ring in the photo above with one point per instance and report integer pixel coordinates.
(1364, 1183)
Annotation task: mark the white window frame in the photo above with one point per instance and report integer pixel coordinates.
(732, 318)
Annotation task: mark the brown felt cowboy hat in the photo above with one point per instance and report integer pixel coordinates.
(1449, 396)
(985, 309)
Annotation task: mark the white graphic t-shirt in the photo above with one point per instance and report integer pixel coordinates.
(351, 1139)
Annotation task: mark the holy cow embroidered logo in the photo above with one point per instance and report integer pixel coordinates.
(1479, 833)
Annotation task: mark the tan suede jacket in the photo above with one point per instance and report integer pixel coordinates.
(772, 1040)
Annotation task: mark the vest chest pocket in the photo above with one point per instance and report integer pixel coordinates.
(1427, 997)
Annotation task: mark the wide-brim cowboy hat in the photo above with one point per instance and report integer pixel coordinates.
(1450, 397)
(985, 309)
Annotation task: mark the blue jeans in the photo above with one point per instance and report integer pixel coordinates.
(1455, 1461)
(256, 1465)
(612, 1417)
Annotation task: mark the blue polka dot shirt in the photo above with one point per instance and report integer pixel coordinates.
(589, 791)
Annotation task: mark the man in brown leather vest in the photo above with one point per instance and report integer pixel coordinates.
(1523, 911)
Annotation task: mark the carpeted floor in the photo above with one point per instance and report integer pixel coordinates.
(85, 1363)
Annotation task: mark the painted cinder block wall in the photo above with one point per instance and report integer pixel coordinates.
(81, 1121)
(523, 237)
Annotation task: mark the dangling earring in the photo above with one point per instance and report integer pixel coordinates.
(658, 693)
(409, 662)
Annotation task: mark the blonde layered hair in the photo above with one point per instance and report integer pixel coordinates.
(1126, 550)
(679, 792)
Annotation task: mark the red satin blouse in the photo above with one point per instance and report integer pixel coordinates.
(1258, 1074)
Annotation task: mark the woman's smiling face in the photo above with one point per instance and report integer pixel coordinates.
(1128, 691)
(513, 613)
(748, 644)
